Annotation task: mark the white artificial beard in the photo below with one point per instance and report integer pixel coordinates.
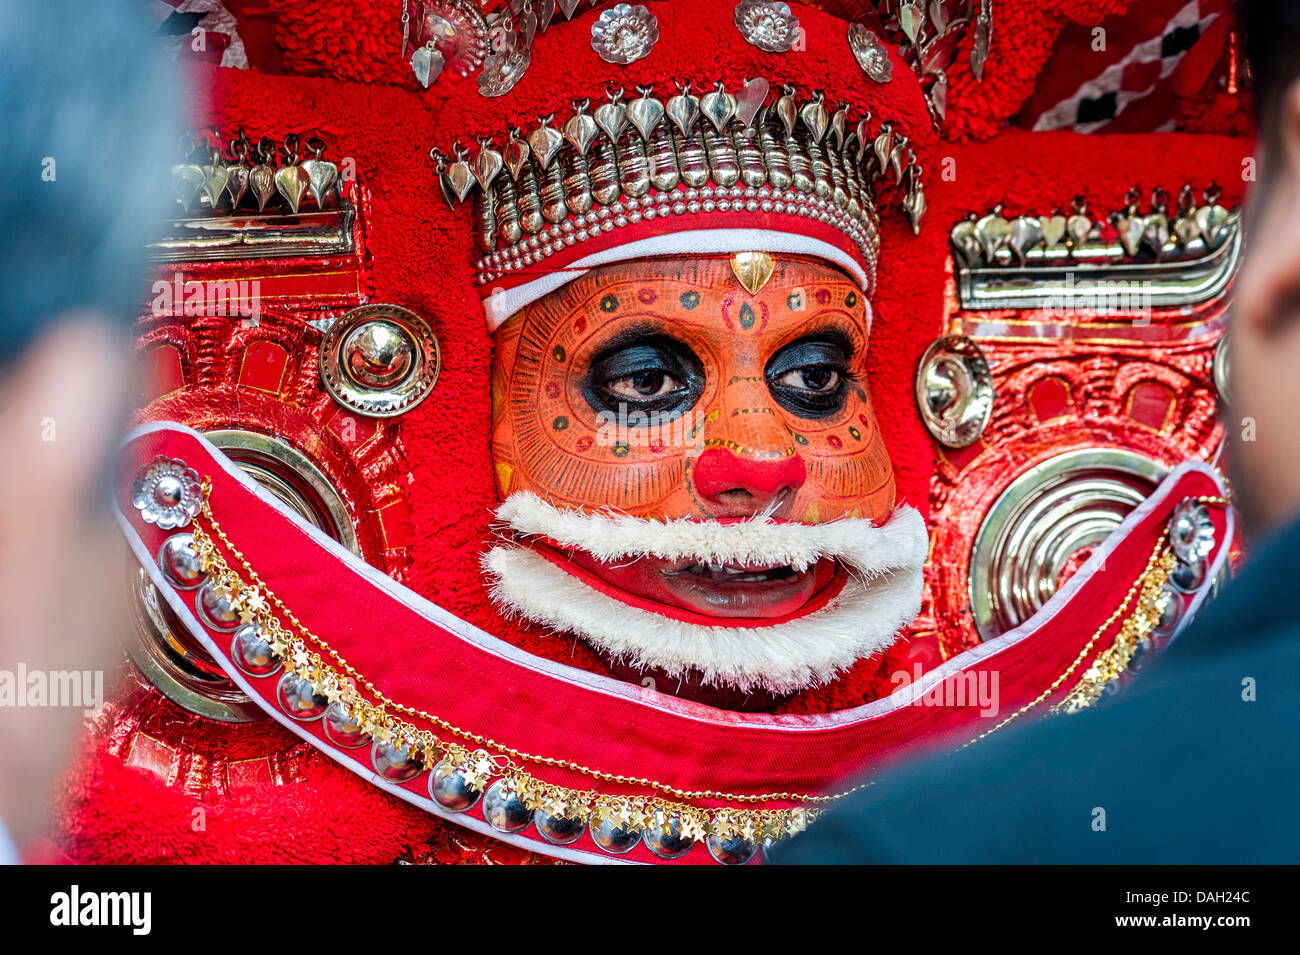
(880, 598)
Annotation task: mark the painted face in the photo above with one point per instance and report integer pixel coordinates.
(665, 389)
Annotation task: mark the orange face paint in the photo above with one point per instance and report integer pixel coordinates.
(664, 388)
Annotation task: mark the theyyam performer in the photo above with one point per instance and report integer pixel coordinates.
(635, 444)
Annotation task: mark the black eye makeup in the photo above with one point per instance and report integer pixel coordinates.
(810, 377)
(652, 374)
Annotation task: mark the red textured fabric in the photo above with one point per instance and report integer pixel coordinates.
(107, 812)
(1024, 34)
(362, 43)
(1030, 172)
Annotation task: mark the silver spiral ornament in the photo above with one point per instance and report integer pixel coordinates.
(1043, 523)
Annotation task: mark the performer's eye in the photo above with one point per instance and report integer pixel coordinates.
(654, 375)
(650, 383)
(815, 378)
(809, 377)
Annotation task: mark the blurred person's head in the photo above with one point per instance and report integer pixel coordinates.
(87, 109)
(1265, 378)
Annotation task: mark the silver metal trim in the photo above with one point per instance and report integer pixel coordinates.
(229, 237)
(387, 400)
(292, 477)
(1100, 274)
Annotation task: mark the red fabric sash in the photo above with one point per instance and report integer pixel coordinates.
(421, 655)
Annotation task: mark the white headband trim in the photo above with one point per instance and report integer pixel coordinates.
(501, 303)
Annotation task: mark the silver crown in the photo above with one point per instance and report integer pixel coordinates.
(623, 162)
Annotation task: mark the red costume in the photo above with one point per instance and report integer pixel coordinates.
(902, 473)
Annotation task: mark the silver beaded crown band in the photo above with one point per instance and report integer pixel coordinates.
(624, 165)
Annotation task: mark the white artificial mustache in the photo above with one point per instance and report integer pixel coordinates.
(868, 550)
(879, 600)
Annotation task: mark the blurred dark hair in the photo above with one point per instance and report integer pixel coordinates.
(1272, 34)
(88, 97)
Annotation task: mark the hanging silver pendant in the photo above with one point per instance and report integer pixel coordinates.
(633, 168)
(215, 176)
(187, 183)
(577, 182)
(507, 211)
(662, 159)
(954, 391)
(775, 158)
(979, 54)
(427, 64)
(261, 182)
(501, 71)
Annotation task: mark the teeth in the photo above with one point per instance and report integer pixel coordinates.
(733, 573)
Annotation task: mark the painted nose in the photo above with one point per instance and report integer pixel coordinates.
(731, 482)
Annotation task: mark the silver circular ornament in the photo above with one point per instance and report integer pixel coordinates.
(1191, 532)
(292, 478)
(342, 729)
(870, 53)
(1040, 525)
(614, 839)
(179, 562)
(296, 698)
(624, 34)
(251, 652)
(451, 790)
(767, 25)
(1143, 650)
(397, 761)
(733, 850)
(1172, 614)
(559, 829)
(954, 391)
(167, 493)
(665, 838)
(503, 808)
(459, 33)
(216, 611)
(1189, 578)
(503, 69)
(378, 354)
(379, 360)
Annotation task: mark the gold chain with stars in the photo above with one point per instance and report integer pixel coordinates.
(477, 766)
(1107, 666)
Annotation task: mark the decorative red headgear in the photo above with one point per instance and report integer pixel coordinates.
(754, 150)
(420, 253)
